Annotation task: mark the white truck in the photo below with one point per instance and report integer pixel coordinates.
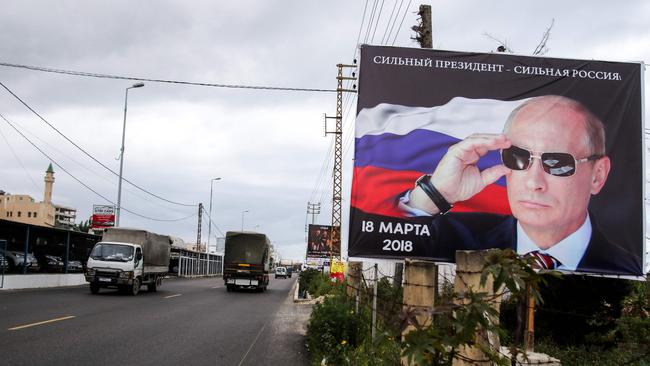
(127, 259)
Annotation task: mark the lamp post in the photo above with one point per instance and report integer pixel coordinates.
(242, 219)
(119, 184)
(207, 247)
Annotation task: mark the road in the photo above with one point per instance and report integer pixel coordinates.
(187, 322)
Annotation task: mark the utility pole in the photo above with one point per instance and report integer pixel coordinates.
(423, 30)
(338, 152)
(198, 232)
(313, 209)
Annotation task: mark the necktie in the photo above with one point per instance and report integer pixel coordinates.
(543, 261)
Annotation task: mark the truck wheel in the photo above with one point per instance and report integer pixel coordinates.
(230, 288)
(94, 288)
(136, 286)
(153, 287)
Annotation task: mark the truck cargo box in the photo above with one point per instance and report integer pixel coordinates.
(155, 247)
(247, 248)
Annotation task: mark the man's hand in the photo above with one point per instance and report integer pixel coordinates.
(457, 177)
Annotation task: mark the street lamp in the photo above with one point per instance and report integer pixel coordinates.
(242, 219)
(207, 248)
(119, 185)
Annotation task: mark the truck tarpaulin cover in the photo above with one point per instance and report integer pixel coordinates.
(156, 247)
(245, 247)
(320, 243)
(414, 104)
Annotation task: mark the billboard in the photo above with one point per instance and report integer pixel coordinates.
(468, 151)
(103, 216)
(320, 243)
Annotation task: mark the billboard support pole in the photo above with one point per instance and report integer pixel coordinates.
(338, 151)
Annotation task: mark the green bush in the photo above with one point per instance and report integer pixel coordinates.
(314, 282)
(581, 355)
(384, 351)
(389, 306)
(334, 330)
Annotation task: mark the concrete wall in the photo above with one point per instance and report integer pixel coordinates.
(15, 282)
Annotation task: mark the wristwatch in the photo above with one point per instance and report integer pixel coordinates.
(424, 182)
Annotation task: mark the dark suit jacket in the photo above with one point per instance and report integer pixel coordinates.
(477, 231)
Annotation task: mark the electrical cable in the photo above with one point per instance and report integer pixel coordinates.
(372, 17)
(109, 76)
(19, 161)
(212, 222)
(402, 22)
(84, 184)
(377, 22)
(88, 154)
(390, 18)
(79, 163)
(394, 20)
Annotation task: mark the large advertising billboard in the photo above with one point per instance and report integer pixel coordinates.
(469, 151)
(103, 216)
(320, 243)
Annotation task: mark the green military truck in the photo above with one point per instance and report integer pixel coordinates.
(246, 261)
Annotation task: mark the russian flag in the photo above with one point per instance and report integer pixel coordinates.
(394, 145)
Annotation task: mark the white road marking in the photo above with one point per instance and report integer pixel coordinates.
(170, 296)
(41, 323)
(251, 346)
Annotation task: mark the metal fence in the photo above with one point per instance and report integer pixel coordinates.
(191, 264)
(4, 263)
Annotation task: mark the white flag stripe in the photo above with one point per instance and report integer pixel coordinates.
(459, 118)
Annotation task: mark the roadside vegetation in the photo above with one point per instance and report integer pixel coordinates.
(579, 320)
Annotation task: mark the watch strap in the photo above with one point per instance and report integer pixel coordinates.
(424, 182)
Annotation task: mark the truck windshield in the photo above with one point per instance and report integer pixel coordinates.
(112, 252)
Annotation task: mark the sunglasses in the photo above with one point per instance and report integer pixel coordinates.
(557, 164)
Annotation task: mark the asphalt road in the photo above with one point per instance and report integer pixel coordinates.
(187, 322)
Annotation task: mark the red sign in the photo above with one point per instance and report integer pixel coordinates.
(103, 216)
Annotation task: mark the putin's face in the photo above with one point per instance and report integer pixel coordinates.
(544, 204)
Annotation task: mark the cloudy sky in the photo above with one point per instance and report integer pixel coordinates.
(266, 145)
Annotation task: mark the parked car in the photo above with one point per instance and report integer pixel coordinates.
(280, 272)
(51, 263)
(3, 264)
(16, 260)
(75, 266)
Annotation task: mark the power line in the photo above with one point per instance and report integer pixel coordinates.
(372, 17)
(363, 18)
(88, 154)
(109, 76)
(84, 184)
(377, 22)
(324, 168)
(388, 23)
(394, 20)
(19, 161)
(402, 22)
(212, 222)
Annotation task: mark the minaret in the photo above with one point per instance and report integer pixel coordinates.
(49, 182)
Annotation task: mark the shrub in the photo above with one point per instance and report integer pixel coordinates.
(389, 305)
(334, 329)
(314, 282)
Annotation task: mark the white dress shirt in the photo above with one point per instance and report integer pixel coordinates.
(569, 251)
